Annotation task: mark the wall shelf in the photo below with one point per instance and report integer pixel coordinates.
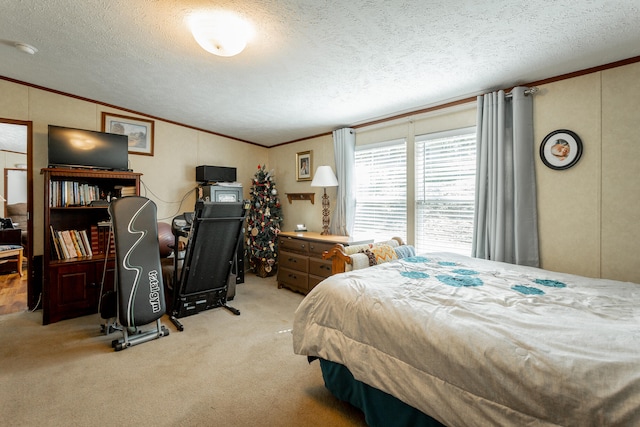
(301, 196)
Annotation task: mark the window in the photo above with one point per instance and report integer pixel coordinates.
(381, 191)
(445, 191)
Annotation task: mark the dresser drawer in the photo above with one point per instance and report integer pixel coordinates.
(293, 245)
(317, 248)
(294, 279)
(300, 263)
(294, 261)
(319, 267)
(314, 280)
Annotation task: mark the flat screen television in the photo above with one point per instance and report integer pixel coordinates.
(79, 148)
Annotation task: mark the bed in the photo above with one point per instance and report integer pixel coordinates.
(469, 342)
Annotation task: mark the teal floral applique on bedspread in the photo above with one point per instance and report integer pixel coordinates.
(466, 277)
(550, 283)
(528, 290)
(414, 274)
(464, 272)
(459, 281)
(416, 259)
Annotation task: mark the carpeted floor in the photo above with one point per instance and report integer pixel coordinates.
(223, 370)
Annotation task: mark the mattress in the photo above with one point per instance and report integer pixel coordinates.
(475, 342)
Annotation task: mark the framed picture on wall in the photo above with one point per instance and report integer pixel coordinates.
(304, 165)
(561, 149)
(139, 131)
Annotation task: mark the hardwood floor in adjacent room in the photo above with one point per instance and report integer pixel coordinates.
(13, 293)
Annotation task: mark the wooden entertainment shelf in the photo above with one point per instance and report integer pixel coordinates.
(72, 284)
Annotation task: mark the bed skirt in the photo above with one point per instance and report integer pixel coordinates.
(379, 408)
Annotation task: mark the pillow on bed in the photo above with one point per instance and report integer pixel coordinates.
(384, 253)
(354, 249)
(405, 251)
(358, 262)
(371, 256)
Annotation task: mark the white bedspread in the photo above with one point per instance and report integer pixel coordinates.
(473, 342)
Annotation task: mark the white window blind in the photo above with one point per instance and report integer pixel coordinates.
(445, 191)
(381, 185)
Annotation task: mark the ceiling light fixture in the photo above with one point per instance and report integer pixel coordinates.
(26, 48)
(221, 33)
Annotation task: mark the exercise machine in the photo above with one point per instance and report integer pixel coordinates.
(214, 231)
(140, 296)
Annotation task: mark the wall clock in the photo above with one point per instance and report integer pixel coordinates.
(561, 149)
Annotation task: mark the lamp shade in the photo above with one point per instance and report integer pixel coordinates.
(324, 177)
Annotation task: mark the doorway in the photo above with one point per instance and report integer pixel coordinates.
(17, 293)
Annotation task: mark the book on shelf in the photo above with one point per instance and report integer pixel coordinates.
(70, 248)
(126, 190)
(95, 246)
(102, 239)
(68, 244)
(74, 238)
(55, 245)
(64, 254)
(86, 242)
(72, 193)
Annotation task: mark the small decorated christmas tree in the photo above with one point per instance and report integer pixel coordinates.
(263, 224)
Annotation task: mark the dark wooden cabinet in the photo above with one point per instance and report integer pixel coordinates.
(10, 236)
(300, 263)
(72, 286)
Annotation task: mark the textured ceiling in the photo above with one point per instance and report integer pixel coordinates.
(313, 65)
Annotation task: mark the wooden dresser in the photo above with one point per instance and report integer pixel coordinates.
(300, 263)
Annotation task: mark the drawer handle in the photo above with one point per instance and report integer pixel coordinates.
(293, 276)
(292, 260)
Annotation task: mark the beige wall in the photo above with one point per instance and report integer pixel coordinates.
(168, 175)
(620, 225)
(282, 159)
(588, 215)
(569, 200)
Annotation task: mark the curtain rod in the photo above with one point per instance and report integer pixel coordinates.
(530, 91)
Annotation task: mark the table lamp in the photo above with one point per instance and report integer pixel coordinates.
(325, 177)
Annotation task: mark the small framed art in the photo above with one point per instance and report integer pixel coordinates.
(139, 131)
(561, 149)
(304, 165)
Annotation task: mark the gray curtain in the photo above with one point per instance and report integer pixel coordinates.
(344, 147)
(506, 220)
